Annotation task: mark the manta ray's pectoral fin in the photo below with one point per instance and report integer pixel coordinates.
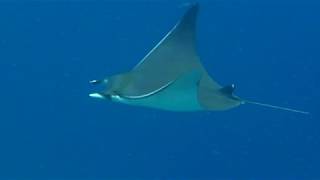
(175, 55)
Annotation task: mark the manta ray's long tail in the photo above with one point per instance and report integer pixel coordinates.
(276, 107)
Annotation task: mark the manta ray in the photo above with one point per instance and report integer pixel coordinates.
(171, 77)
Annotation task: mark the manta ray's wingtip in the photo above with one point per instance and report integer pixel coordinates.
(190, 5)
(194, 6)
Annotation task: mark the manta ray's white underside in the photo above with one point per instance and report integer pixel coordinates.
(178, 95)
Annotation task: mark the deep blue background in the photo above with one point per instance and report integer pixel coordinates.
(50, 128)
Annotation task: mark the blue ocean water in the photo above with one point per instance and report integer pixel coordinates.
(51, 129)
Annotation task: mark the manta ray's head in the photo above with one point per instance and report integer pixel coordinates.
(100, 95)
(113, 85)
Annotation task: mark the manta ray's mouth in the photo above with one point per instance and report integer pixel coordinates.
(99, 96)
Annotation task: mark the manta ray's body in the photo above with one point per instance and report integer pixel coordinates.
(171, 77)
